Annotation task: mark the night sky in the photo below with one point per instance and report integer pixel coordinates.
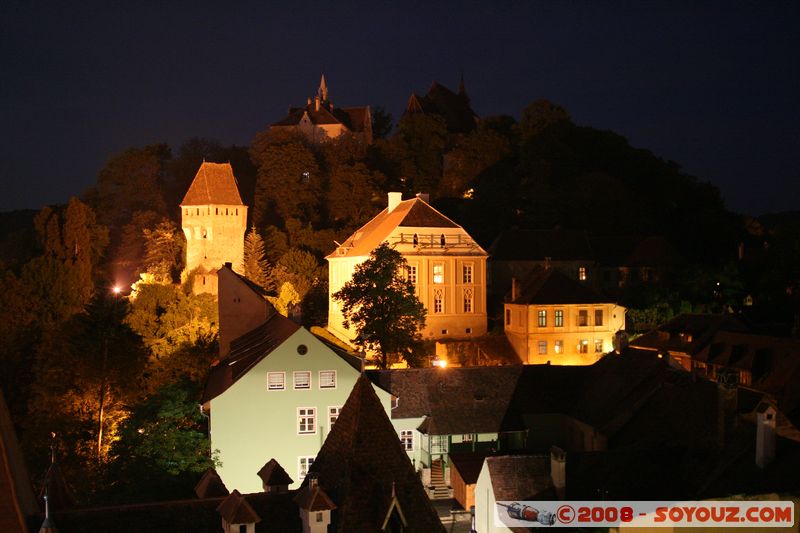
(713, 86)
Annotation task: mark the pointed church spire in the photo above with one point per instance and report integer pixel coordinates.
(322, 92)
(462, 90)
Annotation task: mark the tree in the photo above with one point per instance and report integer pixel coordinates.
(164, 250)
(380, 303)
(256, 266)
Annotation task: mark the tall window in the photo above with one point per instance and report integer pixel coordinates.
(467, 271)
(412, 274)
(302, 380)
(303, 465)
(558, 347)
(333, 416)
(542, 347)
(542, 318)
(407, 439)
(306, 420)
(438, 273)
(467, 300)
(508, 317)
(583, 347)
(583, 317)
(438, 302)
(559, 320)
(598, 317)
(598, 346)
(276, 380)
(327, 379)
(582, 273)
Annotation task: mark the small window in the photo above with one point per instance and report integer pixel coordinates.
(508, 317)
(598, 346)
(438, 301)
(582, 273)
(467, 300)
(583, 347)
(558, 347)
(407, 439)
(444, 332)
(467, 274)
(598, 317)
(559, 318)
(302, 349)
(411, 274)
(542, 347)
(276, 380)
(327, 379)
(306, 420)
(302, 380)
(468, 331)
(333, 415)
(542, 318)
(438, 273)
(583, 317)
(304, 465)
(319, 516)
(467, 437)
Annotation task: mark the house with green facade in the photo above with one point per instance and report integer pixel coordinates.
(276, 391)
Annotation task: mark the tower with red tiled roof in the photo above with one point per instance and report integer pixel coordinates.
(214, 220)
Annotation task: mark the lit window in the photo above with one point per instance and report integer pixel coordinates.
(598, 346)
(508, 317)
(582, 273)
(542, 318)
(583, 317)
(558, 347)
(304, 465)
(542, 347)
(467, 271)
(306, 420)
(438, 304)
(407, 439)
(327, 379)
(411, 271)
(467, 437)
(333, 415)
(583, 347)
(276, 380)
(438, 273)
(559, 319)
(302, 380)
(467, 300)
(598, 317)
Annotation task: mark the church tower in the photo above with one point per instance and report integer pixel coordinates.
(214, 220)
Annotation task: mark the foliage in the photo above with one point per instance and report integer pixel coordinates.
(419, 145)
(354, 195)
(301, 269)
(380, 303)
(287, 299)
(164, 250)
(256, 266)
(381, 123)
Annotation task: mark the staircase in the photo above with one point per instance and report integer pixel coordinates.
(440, 489)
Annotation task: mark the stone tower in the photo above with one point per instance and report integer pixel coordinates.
(214, 220)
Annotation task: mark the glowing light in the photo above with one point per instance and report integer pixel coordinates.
(117, 289)
(441, 363)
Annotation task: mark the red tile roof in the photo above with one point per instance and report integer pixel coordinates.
(214, 184)
(273, 473)
(552, 287)
(235, 510)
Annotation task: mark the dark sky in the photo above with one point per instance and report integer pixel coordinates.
(711, 85)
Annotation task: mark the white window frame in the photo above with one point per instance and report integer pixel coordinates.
(467, 272)
(411, 274)
(468, 301)
(321, 382)
(541, 318)
(558, 347)
(406, 439)
(304, 463)
(598, 343)
(438, 301)
(297, 373)
(282, 376)
(558, 318)
(438, 277)
(309, 416)
(542, 347)
(333, 416)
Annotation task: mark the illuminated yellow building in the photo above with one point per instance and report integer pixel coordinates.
(554, 318)
(446, 266)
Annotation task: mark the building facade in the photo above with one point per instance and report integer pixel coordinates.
(214, 221)
(553, 318)
(446, 266)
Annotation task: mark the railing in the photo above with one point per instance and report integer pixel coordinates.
(433, 240)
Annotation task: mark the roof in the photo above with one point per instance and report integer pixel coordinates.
(214, 184)
(553, 287)
(313, 499)
(211, 485)
(413, 213)
(468, 465)
(235, 510)
(689, 332)
(246, 352)
(519, 477)
(273, 473)
(453, 400)
(362, 466)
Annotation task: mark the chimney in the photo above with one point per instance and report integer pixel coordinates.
(558, 470)
(394, 199)
(514, 289)
(425, 197)
(765, 434)
(727, 399)
(229, 265)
